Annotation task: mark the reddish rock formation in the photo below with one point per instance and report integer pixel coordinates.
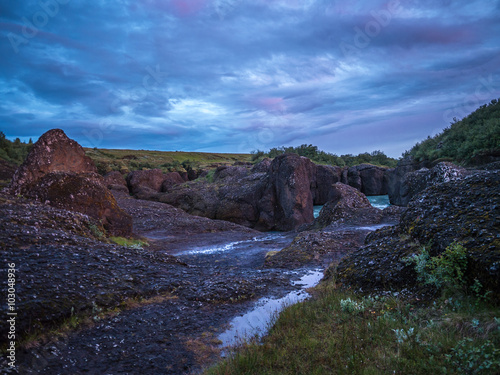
(152, 179)
(287, 202)
(326, 176)
(53, 152)
(171, 179)
(346, 204)
(367, 178)
(58, 172)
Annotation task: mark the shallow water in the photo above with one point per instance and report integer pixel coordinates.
(258, 321)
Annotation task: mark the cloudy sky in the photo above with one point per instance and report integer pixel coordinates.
(240, 75)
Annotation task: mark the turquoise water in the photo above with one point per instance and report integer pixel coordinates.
(377, 201)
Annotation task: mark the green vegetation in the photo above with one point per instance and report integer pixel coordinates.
(476, 135)
(16, 151)
(322, 157)
(124, 161)
(339, 332)
(129, 242)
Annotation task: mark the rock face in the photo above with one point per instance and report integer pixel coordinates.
(414, 182)
(152, 179)
(369, 179)
(53, 152)
(84, 193)
(464, 210)
(58, 172)
(287, 201)
(171, 179)
(326, 176)
(396, 176)
(280, 199)
(7, 170)
(346, 204)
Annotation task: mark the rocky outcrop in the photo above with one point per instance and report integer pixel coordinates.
(367, 178)
(263, 166)
(395, 178)
(171, 179)
(287, 201)
(53, 152)
(83, 193)
(151, 179)
(414, 182)
(326, 176)
(114, 180)
(58, 172)
(464, 210)
(346, 205)
(225, 171)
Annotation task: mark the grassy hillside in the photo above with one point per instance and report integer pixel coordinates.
(468, 141)
(129, 160)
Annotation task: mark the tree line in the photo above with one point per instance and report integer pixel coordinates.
(323, 157)
(15, 151)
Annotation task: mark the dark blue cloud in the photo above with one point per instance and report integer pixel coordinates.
(237, 75)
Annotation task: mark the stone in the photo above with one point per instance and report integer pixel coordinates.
(151, 178)
(171, 179)
(53, 152)
(326, 176)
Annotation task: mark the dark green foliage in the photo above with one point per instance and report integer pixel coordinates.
(475, 135)
(14, 152)
(322, 157)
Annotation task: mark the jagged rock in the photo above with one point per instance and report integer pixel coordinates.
(464, 210)
(152, 178)
(58, 172)
(53, 152)
(326, 176)
(171, 179)
(395, 178)
(415, 182)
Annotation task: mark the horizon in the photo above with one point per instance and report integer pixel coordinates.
(235, 76)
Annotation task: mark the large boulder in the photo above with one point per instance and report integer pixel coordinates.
(85, 193)
(287, 201)
(58, 172)
(151, 178)
(171, 179)
(464, 210)
(53, 152)
(417, 181)
(346, 204)
(115, 181)
(326, 176)
(395, 177)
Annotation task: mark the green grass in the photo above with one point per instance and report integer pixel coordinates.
(338, 332)
(128, 160)
(129, 242)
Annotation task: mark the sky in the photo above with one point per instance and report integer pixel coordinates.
(238, 75)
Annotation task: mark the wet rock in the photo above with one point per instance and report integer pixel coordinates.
(53, 152)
